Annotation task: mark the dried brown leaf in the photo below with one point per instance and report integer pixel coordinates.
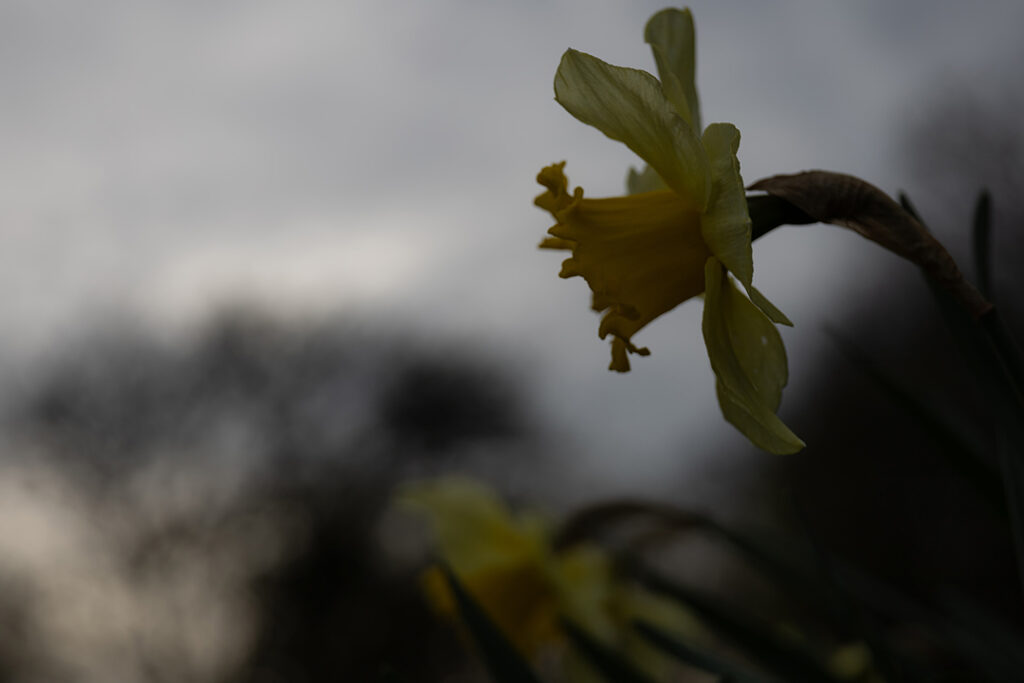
(857, 204)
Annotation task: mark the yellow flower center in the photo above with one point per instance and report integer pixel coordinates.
(642, 254)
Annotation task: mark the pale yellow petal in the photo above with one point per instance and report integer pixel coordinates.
(749, 362)
(726, 223)
(768, 307)
(671, 37)
(646, 180)
(628, 105)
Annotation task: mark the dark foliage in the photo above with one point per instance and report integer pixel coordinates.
(327, 422)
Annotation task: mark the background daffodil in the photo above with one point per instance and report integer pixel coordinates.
(684, 228)
(509, 565)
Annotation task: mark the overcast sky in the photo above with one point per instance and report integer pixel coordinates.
(163, 159)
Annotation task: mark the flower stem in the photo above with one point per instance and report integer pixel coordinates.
(768, 212)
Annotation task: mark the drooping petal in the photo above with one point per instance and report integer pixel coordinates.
(768, 308)
(671, 37)
(642, 255)
(628, 105)
(726, 223)
(749, 362)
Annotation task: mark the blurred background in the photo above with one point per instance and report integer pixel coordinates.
(261, 261)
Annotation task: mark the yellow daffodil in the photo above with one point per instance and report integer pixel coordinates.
(682, 230)
(508, 564)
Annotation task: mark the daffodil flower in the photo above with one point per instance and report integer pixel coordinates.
(683, 230)
(507, 562)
